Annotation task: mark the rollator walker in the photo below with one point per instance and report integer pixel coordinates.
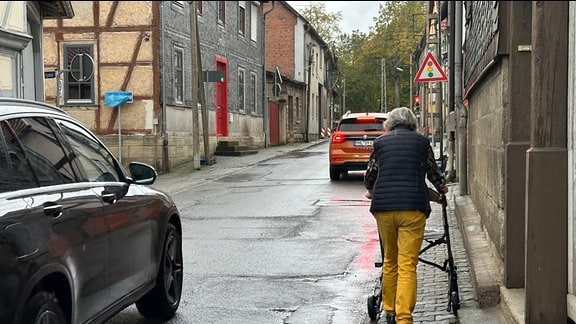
(448, 266)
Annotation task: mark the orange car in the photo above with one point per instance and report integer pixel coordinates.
(351, 142)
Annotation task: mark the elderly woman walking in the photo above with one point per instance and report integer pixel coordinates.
(400, 163)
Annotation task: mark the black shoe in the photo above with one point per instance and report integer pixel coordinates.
(390, 319)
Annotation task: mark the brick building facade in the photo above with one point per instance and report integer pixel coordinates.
(306, 65)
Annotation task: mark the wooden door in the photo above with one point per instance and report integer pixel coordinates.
(274, 115)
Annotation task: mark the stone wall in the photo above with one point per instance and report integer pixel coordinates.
(487, 131)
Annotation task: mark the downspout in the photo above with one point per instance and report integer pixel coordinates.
(320, 98)
(439, 87)
(163, 74)
(450, 168)
(309, 94)
(463, 112)
(307, 60)
(264, 82)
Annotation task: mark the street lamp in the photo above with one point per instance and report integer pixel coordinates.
(396, 76)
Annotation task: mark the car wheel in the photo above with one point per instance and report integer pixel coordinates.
(334, 173)
(43, 308)
(163, 301)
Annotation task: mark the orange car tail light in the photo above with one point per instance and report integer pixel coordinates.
(338, 138)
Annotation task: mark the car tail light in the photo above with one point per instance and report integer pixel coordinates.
(366, 119)
(338, 138)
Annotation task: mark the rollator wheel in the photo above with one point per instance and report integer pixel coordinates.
(455, 303)
(454, 298)
(373, 307)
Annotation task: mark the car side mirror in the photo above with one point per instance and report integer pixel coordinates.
(142, 173)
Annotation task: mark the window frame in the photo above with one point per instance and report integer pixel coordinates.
(68, 50)
(241, 19)
(254, 22)
(241, 89)
(254, 92)
(199, 9)
(222, 13)
(178, 86)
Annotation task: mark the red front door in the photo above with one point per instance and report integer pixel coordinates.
(221, 89)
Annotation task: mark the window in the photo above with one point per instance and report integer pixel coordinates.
(97, 163)
(325, 111)
(79, 81)
(254, 22)
(241, 19)
(9, 85)
(316, 64)
(253, 94)
(178, 76)
(222, 12)
(5, 176)
(35, 155)
(298, 110)
(353, 125)
(313, 106)
(240, 89)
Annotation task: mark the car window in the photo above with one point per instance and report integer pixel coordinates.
(97, 162)
(5, 180)
(35, 154)
(354, 125)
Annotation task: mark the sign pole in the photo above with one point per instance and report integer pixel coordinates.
(115, 99)
(119, 134)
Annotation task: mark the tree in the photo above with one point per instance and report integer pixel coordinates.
(397, 30)
(400, 27)
(325, 23)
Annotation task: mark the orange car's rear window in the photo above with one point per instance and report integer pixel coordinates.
(362, 125)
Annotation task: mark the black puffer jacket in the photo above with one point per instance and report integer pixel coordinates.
(402, 167)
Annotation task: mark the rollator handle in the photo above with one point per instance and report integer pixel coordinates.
(437, 197)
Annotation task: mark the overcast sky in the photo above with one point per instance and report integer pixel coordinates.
(356, 15)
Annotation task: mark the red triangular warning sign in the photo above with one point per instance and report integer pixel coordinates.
(430, 70)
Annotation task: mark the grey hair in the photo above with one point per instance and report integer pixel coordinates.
(401, 116)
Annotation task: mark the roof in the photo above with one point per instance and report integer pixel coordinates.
(17, 105)
(356, 115)
(56, 9)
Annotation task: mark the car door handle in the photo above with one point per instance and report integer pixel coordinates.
(53, 210)
(109, 198)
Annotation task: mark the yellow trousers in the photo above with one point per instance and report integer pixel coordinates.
(401, 233)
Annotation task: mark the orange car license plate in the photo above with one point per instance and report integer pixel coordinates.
(363, 143)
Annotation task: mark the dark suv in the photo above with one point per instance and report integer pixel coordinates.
(351, 142)
(80, 237)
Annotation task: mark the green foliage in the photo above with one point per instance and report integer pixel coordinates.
(325, 23)
(397, 30)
